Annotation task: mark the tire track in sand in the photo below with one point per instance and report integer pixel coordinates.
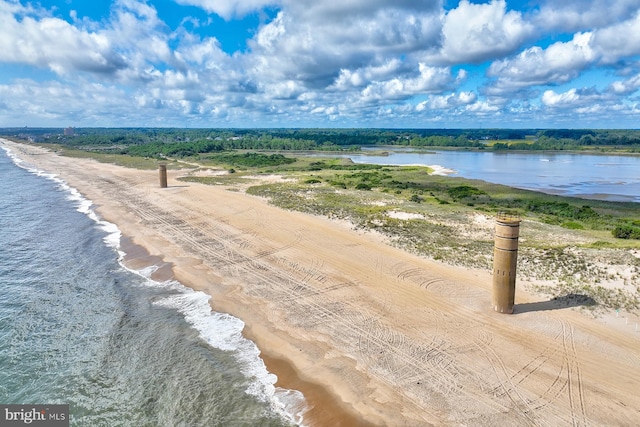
(401, 359)
(402, 355)
(574, 376)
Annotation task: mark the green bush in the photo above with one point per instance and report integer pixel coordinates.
(464, 191)
(571, 225)
(562, 209)
(626, 232)
(339, 184)
(253, 160)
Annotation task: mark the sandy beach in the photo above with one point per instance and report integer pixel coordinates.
(371, 334)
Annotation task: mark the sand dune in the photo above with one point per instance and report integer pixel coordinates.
(377, 335)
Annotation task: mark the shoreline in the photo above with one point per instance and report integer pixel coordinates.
(136, 257)
(393, 337)
(317, 397)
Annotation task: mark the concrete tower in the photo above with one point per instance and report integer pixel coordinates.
(505, 257)
(163, 175)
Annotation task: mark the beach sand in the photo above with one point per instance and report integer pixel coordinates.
(369, 333)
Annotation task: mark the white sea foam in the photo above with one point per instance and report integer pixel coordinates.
(224, 332)
(219, 330)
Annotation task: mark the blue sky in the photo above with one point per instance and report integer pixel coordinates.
(315, 63)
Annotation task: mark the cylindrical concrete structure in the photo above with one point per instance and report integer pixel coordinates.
(505, 256)
(163, 175)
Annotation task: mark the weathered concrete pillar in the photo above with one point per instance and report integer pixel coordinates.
(505, 257)
(163, 175)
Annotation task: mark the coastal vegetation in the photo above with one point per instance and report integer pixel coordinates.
(579, 247)
(567, 243)
(187, 142)
(571, 244)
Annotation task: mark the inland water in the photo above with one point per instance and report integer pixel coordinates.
(592, 176)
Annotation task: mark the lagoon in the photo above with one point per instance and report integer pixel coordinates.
(591, 176)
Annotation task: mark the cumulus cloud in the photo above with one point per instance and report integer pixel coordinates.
(552, 99)
(579, 15)
(479, 32)
(229, 8)
(346, 9)
(429, 80)
(447, 102)
(559, 63)
(53, 103)
(482, 108)
(316, 50)
(626, 87)
(350, 79)
(29, 36)
(562, 62)
(356, 62)
(618, 41)
(587, 101)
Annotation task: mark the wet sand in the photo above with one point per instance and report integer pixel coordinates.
(369, 332)
(324, 409)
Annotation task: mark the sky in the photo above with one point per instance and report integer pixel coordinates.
(320, 63)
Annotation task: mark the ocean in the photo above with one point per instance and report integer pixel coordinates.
(78, 328)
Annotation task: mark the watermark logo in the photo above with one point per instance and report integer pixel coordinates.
(34, 415)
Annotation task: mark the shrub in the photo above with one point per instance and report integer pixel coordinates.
(463, 191)
(626, 232)
(571, 225)
(253, 160)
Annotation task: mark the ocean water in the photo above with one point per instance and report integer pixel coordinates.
(78, 328)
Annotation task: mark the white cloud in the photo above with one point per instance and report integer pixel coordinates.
(581, 100)
(552, 99)
(559, 63)
(229, 8)
(52, 103)
(354, 62)
(447, 102)
(347, 9)
(587, 106)
(430, 80)
(618, 41)
(562, 62)
(206, 54)
(317, 51)
(53, 43)
(349, 79)
(482, 107)
(580, 15)
(627, 86)
(479, 32)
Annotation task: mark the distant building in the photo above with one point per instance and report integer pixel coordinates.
(69, 131)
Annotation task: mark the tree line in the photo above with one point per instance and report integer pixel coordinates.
(185, 142)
